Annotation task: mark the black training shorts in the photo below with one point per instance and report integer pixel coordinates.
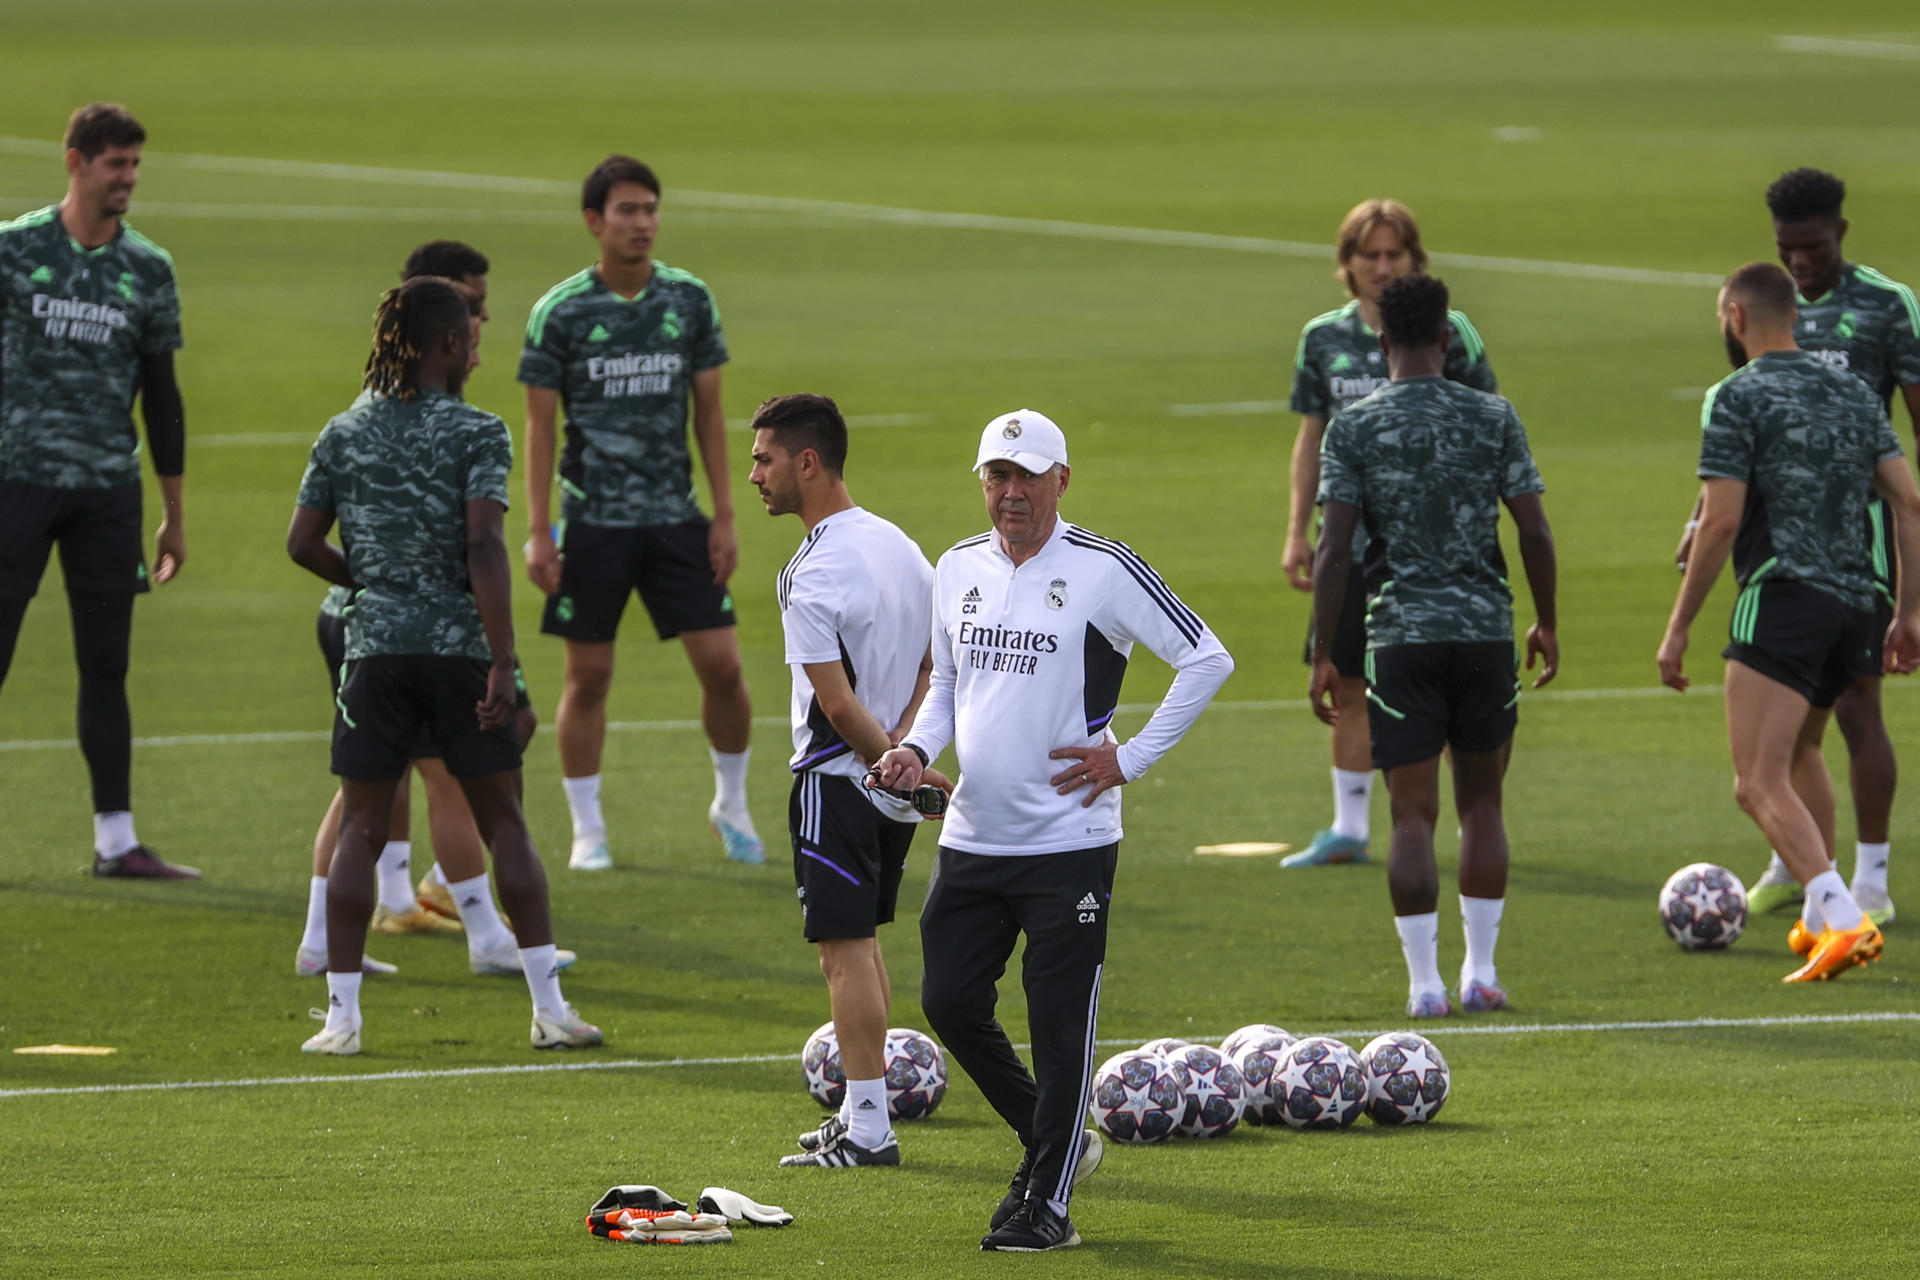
(389, 702)
(1422, 697)
(1805, 638)
(98, 531)
(667, 564)
(332, 631)
(1349, 647)
(847, 857)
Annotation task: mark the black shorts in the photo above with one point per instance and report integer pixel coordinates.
(332, 631)
(666, 563)
(98, 531)
(1805, 638)
(847, 857)
(389, 701)
(1349, 648)
(1422, 697)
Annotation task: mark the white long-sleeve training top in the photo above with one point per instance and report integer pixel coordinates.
(1029, 658)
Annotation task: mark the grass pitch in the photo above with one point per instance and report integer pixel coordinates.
(1638, 139)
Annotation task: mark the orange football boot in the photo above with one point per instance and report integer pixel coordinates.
(1837, 950)
(1800, 939)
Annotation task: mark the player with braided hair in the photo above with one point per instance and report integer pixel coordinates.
(417, 479)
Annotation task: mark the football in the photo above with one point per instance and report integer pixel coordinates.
(1256, 1060)
(1165, 1046)
(1138, 1097)
(1230, 1047)
(1704, 907)
(1215, 1095)
(820, 1060)
(1407, 1079)
(1320, 1084)
(916, 1074)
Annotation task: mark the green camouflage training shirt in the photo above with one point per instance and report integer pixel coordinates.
(398, 475)
(1339, 361)
(1804, 437)
(624, 371)
(74, 323)
(1869, 326)
(1427, 461)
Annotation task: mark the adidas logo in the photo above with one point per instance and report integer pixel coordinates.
(599, 334)
(1827, 896)
(868, 1105)
(1357, 791)
(41, 275)
(1088, 904)
(973, 593)
(334, 1001)
(471, 900)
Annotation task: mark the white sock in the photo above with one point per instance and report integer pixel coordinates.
(1812, 919)
(1481, 916)
(1776, 869)
(583, 799)
(730, 780)
(113, 834)
(543, 979)
(1870, 867)
(343, 1001)
(474, 901)
(396, 877)
(1352, 793)
(1420, 944)
(315, 938)
(1836, 900)
(867, 1122)
(439, 876)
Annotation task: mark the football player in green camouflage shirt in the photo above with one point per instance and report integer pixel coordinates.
(417, 480)
(89, 320)
(1791, 447)
(1858, 320)
(1419, 470)
(1338, 362)
(624, 346)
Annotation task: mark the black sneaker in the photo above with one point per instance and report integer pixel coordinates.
(842, 1153)
(832, 1129)
(1092, 1151)
(141, 863)
(1033, 1228)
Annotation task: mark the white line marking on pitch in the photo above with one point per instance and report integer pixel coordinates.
(636, 1064)
(886, 214)
(1896, 51)
(670, 726)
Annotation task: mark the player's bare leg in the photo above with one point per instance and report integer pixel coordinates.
(462, 855)
(494, 799)
(1413, 883)
(1873, 773)
(726, 713)
(366, 810)
(310, 959)
(857, 990)
(1352, 751)
(1478, 786)
(581, 724)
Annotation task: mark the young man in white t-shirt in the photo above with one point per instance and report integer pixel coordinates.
(855, 603)
(1033, 624)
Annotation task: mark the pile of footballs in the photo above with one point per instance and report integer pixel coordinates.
(1264, 1075)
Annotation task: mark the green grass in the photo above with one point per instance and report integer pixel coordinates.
(1704, 1152)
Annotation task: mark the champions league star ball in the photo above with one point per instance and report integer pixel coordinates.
(1138, 1097)
(1230, 1047)
(1215, 1095)
(1407, 1079)
(1256, 1060)
(1703, 906)
(1165, 1046)
(1320, 1084)
(820, 1060)
(916, 1074)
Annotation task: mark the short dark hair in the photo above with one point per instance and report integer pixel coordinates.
(804, 421)
(1800, 194)
(1764, 288)
(448, 258)
(99, 125)
(1413, 310)
(412, 317)
(610, 172)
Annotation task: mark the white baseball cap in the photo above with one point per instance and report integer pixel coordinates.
(1029, 440)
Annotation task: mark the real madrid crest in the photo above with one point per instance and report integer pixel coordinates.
(1057, 594)
(1012, 430)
